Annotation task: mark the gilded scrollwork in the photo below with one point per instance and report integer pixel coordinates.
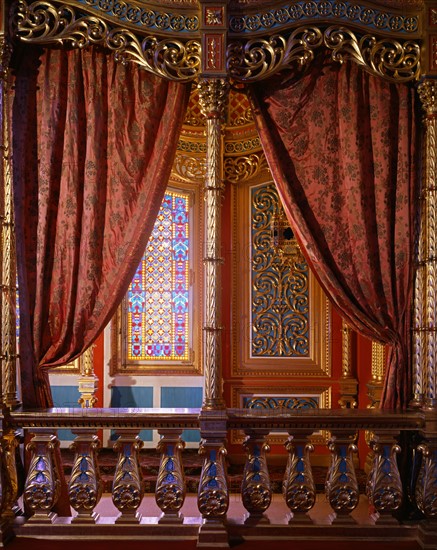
(256, 490)
(170, 485)
(45, 23)
(84, 487)
(243, 168)
(190, 169)
(298, 485)
(309, 11)
(127, 487)
(389, 58)
(259, 58)
(280, 291)
(213, 495)
(139, 15)
(42, 485)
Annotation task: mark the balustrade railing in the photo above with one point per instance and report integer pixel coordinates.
(41, 494)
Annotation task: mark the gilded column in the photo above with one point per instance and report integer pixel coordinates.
(348, 383)
(8, 276)
(88, 381)
(428, 332)
(212, 99)
(375, 385)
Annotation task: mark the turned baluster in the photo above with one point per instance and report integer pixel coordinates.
(384, 485)
(42, 486)
(256, 491)
(341, 482)
(85, 487)
(426, 487)
(127, 487)
(170, 485)
(298, 486)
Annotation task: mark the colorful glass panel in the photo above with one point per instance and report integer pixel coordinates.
(158, 296)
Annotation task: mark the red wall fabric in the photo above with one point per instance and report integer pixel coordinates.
(341, 146)
(93, 147)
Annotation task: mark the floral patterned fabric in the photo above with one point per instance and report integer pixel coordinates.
(340, 144)
(93, 147)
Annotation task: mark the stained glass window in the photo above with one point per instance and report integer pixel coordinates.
(158, 320)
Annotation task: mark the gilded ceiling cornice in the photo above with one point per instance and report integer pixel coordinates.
(182, 18)
(392, 55)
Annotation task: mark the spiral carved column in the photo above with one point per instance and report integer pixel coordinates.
(348, 382)
(212, 100)
(425, 378)
(88, 381)
(8, 275)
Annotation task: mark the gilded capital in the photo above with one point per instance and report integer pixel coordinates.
(213, 95)
(427, 93)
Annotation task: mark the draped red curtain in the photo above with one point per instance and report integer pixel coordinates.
(340, 144)
(93, 146)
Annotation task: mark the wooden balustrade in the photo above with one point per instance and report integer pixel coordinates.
(384, 486)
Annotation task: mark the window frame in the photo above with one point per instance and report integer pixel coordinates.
(120, 364)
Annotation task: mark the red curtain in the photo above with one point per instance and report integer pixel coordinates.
(93, 147)
(340, 144)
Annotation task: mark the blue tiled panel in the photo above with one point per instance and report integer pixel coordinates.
(133, 397)
(173, 397)
(65, 396)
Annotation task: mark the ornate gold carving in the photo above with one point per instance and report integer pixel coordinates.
(316, 362)
(393, 60)
(85, 487)
(88, 381)
(42, 486)
(348, 384)
(212, 99)
(341, 483)
(427, 93)
(236, 147)
(138, 15)
(9, 493)
(427, 480)
(170, 485)
(256, 490)
(239, 169)
(189, 169)
(279, 401)
(378, 361)
(298, 486)
(127, 487)
(384, 485)
(213, 495)
(361, 14)
(44, 23)
(259, 58)
(8, 274)
(280, 292)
